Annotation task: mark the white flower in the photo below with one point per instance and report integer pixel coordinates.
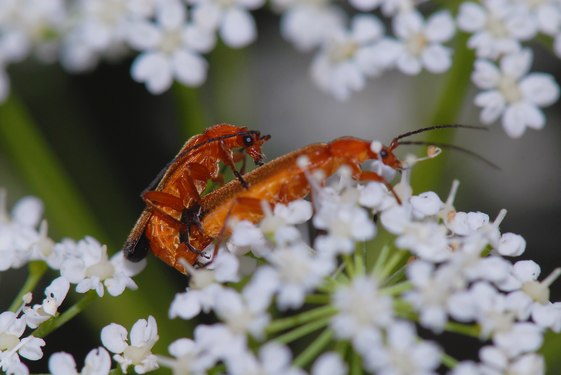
(307, 23)
(466, 223)
(403, 354)
(100, 30)
(545, 14)
(497, 27)
(171, 48)
(511, 244)
(19, 238)
(188, 358)
(143, 336)
(348, 57)
(232, 18)
(292, 273)
(344, 225)
(98, 362)
(513, 94)
(26, 28)
(240, 315)
(329, 363)
(421, 42)
(521, 338)
(12, 346)
(55, 294)
(362, 312)
(389, 7)
(88, 265)
(204, 286)
(431, 292)
(426, 204)
(495, 361)
(273, 359)
(426, 240)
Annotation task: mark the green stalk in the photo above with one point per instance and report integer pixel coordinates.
(302, 331)
(322, 299)
(356, 364)
(397, 289)
(313, 349)
(44, 173)
(36, 270)
(191, 110)
(349, 265)
(54, 323)
(449, 361)
(305, 317)
(391, 264)
(447, 111)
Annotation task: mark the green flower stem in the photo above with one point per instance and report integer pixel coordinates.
(22, 141)
(395, 260)
(356, 364)
(397, 289)
(322, 299)
(359, 262)
(302, 331)
(191, 110)
(313, 349)
(449, 361)
(381, 260)
(349, 265)
(472, 330)
(36, 270)
(404, 310)
(305, 317)
(448, 106)
(58, 321)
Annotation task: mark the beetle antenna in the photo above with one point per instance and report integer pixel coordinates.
(452, 147)
(437, 127)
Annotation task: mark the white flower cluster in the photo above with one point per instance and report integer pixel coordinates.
(84, 263)
(169, 38)
(459, 281)
(502, 69)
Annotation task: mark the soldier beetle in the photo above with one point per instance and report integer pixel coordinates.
(173, 198)
(282, 180)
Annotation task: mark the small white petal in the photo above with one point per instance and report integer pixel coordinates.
(189, 68)
(486, 75)
(440, 27)
(238, 28)
(511, 244)
(517, 64)
(62, 364)
(28, 211)
(153, 69)
(471, 17)
(114, 337)
(540, 89)
(436, 58)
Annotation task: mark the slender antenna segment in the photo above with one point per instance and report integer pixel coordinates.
(453, 147)
(437, 127)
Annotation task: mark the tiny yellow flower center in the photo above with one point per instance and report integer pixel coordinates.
(171, 41)
(103, 270)
(416, 44)
(508, 86)
(8, 341)
(496, 28)
(137, 353)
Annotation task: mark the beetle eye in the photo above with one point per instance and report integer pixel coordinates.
(383, 154)
(248, 141)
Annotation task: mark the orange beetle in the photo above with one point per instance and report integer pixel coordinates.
(173, 198)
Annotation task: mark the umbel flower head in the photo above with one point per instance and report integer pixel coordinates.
(299, 304)
(360, 290)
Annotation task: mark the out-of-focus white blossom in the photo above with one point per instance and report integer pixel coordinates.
(512, 93)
